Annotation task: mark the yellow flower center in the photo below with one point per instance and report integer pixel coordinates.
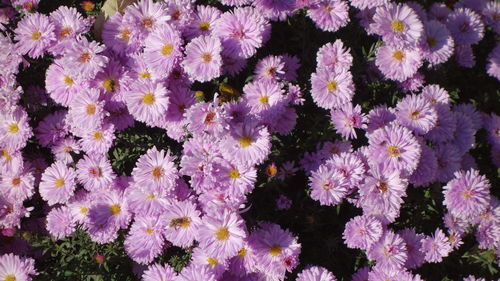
(222, 234)
(264, 100)
(59, 182)
(84, 57)
(16, 181)
(68, 80)
(147, 22)
(67, 149)
(398, 55)
(331, 86)
(13, 128)
(207, 57)
(199, 94)
(275, 250)
(393, 151)
(145, 74)
(36, 35)
(242, 252)
(109, 84)
(90, 109)
(98, 135)
(415, 115)
(83, 210)
(466, 194)
(431, 41)
(151, 196)
(245, 141)
(148, 98)
(115, 209)
(6, 155)
(10, 277)
(157, 172)
(65, 32)
(125, 35)
(149, 230)
(398, 26)
(204, 26)
(212, 261)
(234, 174)
(182, 222)
(167, 49)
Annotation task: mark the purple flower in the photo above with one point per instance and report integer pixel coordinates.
(362, 231)
(398, 63)
(389, 252)
(436, 247)
(203, 60)
(145, 241)
(13, 267)
(157, 272)
(58, 183)
(84, 58)
(416, 114)
(156, 168)
(334, 56)
(95, 172)
(60, 223)
(493, 66)
(329, 15)
(247, 144)
(147, 101)
(203, 22)
(331, 89)
(413, 240)
(162, 50)
(314, 273)
(35, 34)
(145, 16)
(328, 185)
(183, 221)
(275, 10)
(398, 24)
(465, 26)
(437, 44)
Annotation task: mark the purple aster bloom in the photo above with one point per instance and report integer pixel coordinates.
(235, 2)
(492, 127)
(398, 24)
(413, 83)
(61, 84)
(58, 183)
(413, 240)
(183, 221)
(147, 101)
(446, 125)
(60, 223)
(379, 116)
(216, 265)
(471, 113)
(270, 68)
(35, 34)
(448, 159)
(69, 25)
(156, 168)
(147, 199)
(239, 179)
(365, 17)
(265, 98)
(222, 236)
(241, 31)
(162, 50)
(493, 66)
(329, 15)
(275, 10)
(361, 274)
(436, 44)
(475, 5)
(465, 26)
(14, 129)
(18, 184)
(398, 63)
(328, 185)
(416, 113)
(94, 172)
(434, 94)
(334, 56)
(331, 89)
(145, 16)
(396, 147)
(158, 271)
(436, 247)
(468, 162)
(350, 165)
(487, 235)
(463, 138)
(119, 36)
(84, 58)
(196, 273)
(491, 14)
(145, 241)
(203, 60)
(203, 21)
(367, 4)
(14, 268)
(467, 195)
(247, 144)
(63, 149)
(207, 118)
(79, 206)
(389, 252)
(439, 12)
(464, 56)
(362, 231)
(98, 139)
(473, 278)
(315, 273)
(292, 64)
(426, 170)
(181, 13)
(87, 109)
(283, 203)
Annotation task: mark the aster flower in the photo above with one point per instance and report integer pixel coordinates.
(158, 271)
(35, 34)
(448, 158)
(398, 24)
(292, 64)
(79, 206)
(436, 44)
(183, 221)
(313, 273)
(14, 129)
(147, 101)
(334, 56)
(436, 247)
(94, 172)
(329, 15)
(13, 267)
(467, 195)
(465, 26)
(87, 109)
(145, 16)
(58, 183)
(84, 58)
(362, 231)
(389, 252)
(222, 236)
(17, 185)
(61, 84)
(247, 144)
(413, 83)
(416, 114)
(471, 113)
(98, 139)
(216, 265)
(328, 185)
(119, 35)
(367, 4)
(491, 14)
(203, 60)
(464, 133)
(265, 98)
(162, 50)
(145, 241)
(147, 200)
(196, 273)
(413, 240)
(235, 2)
(395, 147)
(181, 13)
(379, 116)
(473, 278)
(361, 274)
(270, 68)
(331, 89)
(426, 169)
(434, 94)
(346, 119)
(156, 168)
(238, 179)
(68, 24)
(203, 21)
(487, 235)
(464, 56)
(398, 63)
(493, 66)
(60, 223)
(439, 12)
(63, 149)
(241, 31)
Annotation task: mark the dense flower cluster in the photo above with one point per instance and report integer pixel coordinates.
(144, 69)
